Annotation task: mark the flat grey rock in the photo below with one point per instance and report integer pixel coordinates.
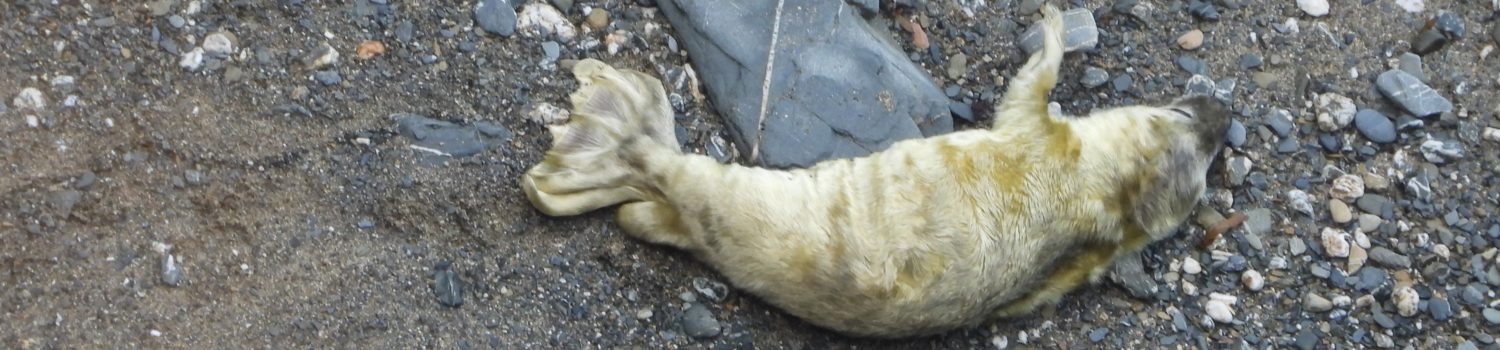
(1411, 94)
(1129, 272)
(838, 86)
(1375, 126)
(450, 140)
(1079, 32)
(495, 16)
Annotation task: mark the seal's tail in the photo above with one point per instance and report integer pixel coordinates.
(618, 116)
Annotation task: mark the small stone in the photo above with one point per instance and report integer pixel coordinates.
(176, 21)
(1440, 309)
(369, 49)
(218, 44)
(1190, 266)
(1199, 85)
(1203, 10)
(711, 289)
(1412, 6)
(1253, 280)
(1340, 212)
(496, 17)
(1388, 258)
(191, 60)
(1429, 41)
(1316, 303)
(1315, 8)
(1467, 345)
(1492, 316)
(539, 20)
(1300, 201)
(598, 19)
(1094, 77)
(1335, 242)
(1492, 134)
(699, 322)
(1372, 203)
(1192, 40)
(1371, 278)
(547, 114)
(321, 57)
(958, 66)
(1250, 61)
(171, 273)
(1307, 339)
(1411, 94)
(447, 286)
(1122, 82)
(1079, 32)
(1406, 300)
(1347, 187)
(1375, 126)
(1219, 311)
(1192, 65)
(1235, 136)
(1297, 246)
(1357, 258)
(1450, 24)
(1238, 168)
(29, 99)
(1334, 111)
(644, 314)
(1098, 334)
(365, 223)
(551, 51)
(1280, 122)
(328, 77)
(1412, 64)
(1439, 151)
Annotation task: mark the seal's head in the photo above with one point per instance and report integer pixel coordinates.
(1192, 131)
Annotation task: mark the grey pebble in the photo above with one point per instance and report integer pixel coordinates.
(496, 17)
(1250, 61)
(1238, 168)
(1098, 334)
(1192, 65)
(1472, 295)
(1439, 151)
(1079, 32)
(1440, 308)
(1450, 24)
(1123, 82)
(1298, 247)
(1411, 94)
(1388, 258)
(551, 50)
(176, 21)
(1199, 85)
(1307, 338)
(1372, 203)
(194, 177)
(962, 111)
(1280, 122)
(365, 223)
(1467, 345)
(1236, 134)
(1258, 221)
(1094, 77)
(1492, 316)
(699, 322)
(328, 77)
(447, 286)
(1371, 278)
(1375, 126)
(171, 272)
(1412, 64)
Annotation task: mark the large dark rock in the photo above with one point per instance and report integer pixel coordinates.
(440, 140)
(839, 87)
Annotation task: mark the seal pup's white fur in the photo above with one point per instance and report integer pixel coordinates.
(924, 237)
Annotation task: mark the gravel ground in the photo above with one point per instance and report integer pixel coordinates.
(253, 174)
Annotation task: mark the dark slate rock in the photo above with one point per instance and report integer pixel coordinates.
(839, 88)
(449, 138)
(1192, 65)
(1388, 258)
(1079, 32)
(1307, 338)
(1375, 126)
(962, 111)
(1411, 94)
(1412, 64)
(1428, 41)
(1122, 82)
(1129, 272)
(447, 286)
(1370, 279)
(1280, 121)
(1098, 334)
(1440, 308)
(1449, 24)
(1203, 10)
(1235, 137)
(1288, 146)
(496, 17)
(328, 77)
(1250, 61)
(697, 320)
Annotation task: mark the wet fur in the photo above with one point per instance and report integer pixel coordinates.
(926, 236)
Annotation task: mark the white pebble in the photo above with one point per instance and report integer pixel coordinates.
(540, 20)
(32, 121)
(1253, 280)
(1219, 311)
(1342, 300)
(1000, 342)
(1441, 250)
(218, 44)
(192, 59)
(1300, 201)
(1315, 8)
(1277, 263)
(547, 114)
(1492, 134)
(1190, 266)
(155, 333)
(30, 98)
(1226, 298)
(1189, 288)
(1361, 239)
(1406, 300)
(1335, 242)
(1413, 6)
(1348, 187)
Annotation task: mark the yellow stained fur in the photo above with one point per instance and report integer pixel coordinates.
(926, 236)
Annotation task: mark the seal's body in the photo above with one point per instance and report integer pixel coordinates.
(926, 236)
